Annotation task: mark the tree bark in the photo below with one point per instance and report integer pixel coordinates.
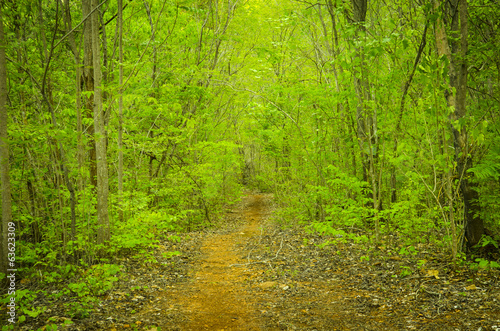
(359, 8)
(120, 111)
(87, 84)
(80, 148)
(455, 50)
(103, 231)
(4, 154)
(76, 54)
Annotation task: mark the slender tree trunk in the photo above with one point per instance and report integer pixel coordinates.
(365, 122)
(397, 130)
(455, 49)
(87, 83)
(359, 8)
(347, 121)
(4, 154)
(35, 230)
(72, 43)
(153, 34)
(103, 233)
(120, 111)
(151, 133)
(59, 157)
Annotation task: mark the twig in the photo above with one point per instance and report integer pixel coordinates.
(430, 292)
(78, 25)
(266, 261)
(281, 246)
(261, 234)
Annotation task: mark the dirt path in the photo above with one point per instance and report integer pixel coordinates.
(217, 299)
(253, 273)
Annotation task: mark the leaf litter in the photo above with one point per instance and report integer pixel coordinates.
(254, 274)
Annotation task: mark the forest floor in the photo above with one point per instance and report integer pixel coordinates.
(254, 274)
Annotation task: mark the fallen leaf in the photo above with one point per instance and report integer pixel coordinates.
(433, 273)
(267, 285)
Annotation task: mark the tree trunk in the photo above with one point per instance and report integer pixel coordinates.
(120, 111)
(474, 227)
(359, 8)
(87, 84)
(103, 233)
(72, 43)
(4, 155)
(59, 155)
(402, 110)
(455, 49)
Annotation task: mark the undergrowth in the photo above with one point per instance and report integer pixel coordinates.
(79, 281)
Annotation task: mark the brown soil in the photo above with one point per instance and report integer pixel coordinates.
(255, 274)
(217, 299)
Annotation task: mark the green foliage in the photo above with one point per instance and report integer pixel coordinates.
(97, 280)
(142, 231)
(489, 167)
(488, 240)
(484, 264)
(486, 175)
(24, 304)
(337, 235)
(274, 96)
(342, 201)
(405, 271)
(346, 198)
(410, 250)
(93, 283)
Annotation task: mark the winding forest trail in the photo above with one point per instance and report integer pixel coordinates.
(217, 299)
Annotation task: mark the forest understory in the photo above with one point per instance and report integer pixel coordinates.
(250, 165)
(252, 273)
